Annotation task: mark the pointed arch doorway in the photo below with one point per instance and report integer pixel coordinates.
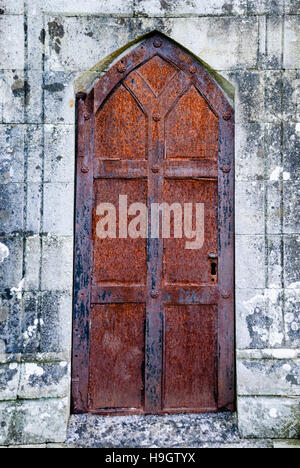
(153, 320)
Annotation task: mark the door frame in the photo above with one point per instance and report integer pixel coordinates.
(87, 106)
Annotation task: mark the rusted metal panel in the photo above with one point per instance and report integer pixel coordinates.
(117, 137)
(192, 129)
(187, 266)
(122, 261)
(157, 129)
(190, 358)
(117, 356)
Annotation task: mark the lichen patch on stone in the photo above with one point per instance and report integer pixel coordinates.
(4, 252)
(17, 291)
(276, 173)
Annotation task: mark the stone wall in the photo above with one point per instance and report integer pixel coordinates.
(45, 45)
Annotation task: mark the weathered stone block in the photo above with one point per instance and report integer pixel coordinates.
(45, 334)
(266, 6)
(9, 381)
(12, 96)
(59, 153)
(7, 414)
(262, 44)
(10, 322)
(35, 446)
(292, 7)
(4, 252)
(291, 151)
(221, 42)
(291, 219)
(180, 430)
(7, 7)
(270, 354)
(259, 319)
(273, 152)
(269, 417)
(268, 377)
(58, 209)
(35, 40)
(56, 446)
(270, 41)
(31, 322)
(57, 275)
(11, 153)
(291, 95)
(32, 263)
(249, 208)
(11, 208)
(2, 347)
(297, 96)
(56, 328)
(286, 444)
(11, 42)
(11, 267)
(274, 206)
(92, 7)
(273, 96)
(249, 140)
(59, 98)
(292, 261)
(249, 98)
(292, 317)
(34, 422)
(34, 153)
(33, 208)
(34, 108)
(44, 380)
(97, 36)
(187, 8)
(274, 262)
(250, 261)
(291, 57)
(21, 96)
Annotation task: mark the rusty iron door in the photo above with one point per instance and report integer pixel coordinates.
(153, 320)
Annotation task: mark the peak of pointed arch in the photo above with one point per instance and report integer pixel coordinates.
(87, 81)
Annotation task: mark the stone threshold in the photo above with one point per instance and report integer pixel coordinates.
(168, 431)
(244, 443)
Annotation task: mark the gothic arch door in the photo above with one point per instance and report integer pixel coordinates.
(153, 319)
